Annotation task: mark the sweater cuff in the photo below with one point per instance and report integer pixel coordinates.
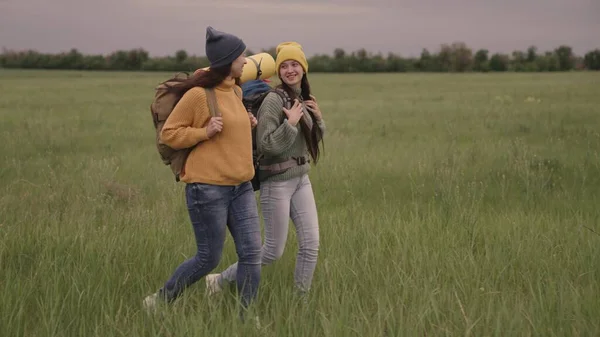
(200, 134)
(321, 125)
(289, 128)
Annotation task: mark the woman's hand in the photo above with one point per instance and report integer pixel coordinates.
(295, 113)
(253, 120)
(214, 126)
(313, 106)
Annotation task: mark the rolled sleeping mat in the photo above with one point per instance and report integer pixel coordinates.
(258, 67)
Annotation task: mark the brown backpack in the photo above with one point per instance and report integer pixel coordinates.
(164, 102)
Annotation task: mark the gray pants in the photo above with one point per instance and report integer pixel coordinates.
(280, 201)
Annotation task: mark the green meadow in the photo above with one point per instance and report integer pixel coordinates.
(449, 205)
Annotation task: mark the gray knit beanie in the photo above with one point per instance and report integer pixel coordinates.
(222, 48)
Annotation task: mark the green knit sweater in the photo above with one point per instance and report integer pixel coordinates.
(278, 141)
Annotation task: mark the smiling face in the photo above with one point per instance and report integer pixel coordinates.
(291, 73)
(237, 67)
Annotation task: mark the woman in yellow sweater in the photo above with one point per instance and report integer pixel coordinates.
(217, 171)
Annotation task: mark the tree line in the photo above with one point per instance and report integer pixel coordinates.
(455, 57)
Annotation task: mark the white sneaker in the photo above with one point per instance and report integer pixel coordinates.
(150, 303)
(212, 284)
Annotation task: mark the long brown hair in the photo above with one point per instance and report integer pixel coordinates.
(313, 135)
(203, 78)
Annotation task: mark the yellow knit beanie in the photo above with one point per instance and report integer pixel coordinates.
(290, 51)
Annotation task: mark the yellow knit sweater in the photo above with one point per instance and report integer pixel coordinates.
(224, 159)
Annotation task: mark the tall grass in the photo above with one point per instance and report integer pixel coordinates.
(448, 205)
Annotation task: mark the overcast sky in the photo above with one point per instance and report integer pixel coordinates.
(402, 26)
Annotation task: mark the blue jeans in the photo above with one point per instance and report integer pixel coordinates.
(211, 209)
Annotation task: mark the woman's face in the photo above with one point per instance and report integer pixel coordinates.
(237, 67)
(291, 73)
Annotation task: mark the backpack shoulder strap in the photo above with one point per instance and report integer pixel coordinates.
(211, 99)
(287, 101)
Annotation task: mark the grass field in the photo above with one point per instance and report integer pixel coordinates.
(450, 205)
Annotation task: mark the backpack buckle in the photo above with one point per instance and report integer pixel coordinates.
(301, 160)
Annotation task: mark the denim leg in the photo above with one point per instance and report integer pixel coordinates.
(208, 210)
(244, 225)
(275, 199)
(281, 200)
(304, 215)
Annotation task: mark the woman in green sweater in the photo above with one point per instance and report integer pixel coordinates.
(288, 134)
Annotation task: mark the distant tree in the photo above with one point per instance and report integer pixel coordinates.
(531, 53)
(339, 63)
(94, 62)
(481, 61)
(566, 59)
(578, 63)
(445, 58)
(396, 63)
(339, 54)
(323, 63)
(462, 57)
(591, 60)
(548, 62)
(499, 62)
(181, 56)
(518, 60)
(362, 54)
(425, 62)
